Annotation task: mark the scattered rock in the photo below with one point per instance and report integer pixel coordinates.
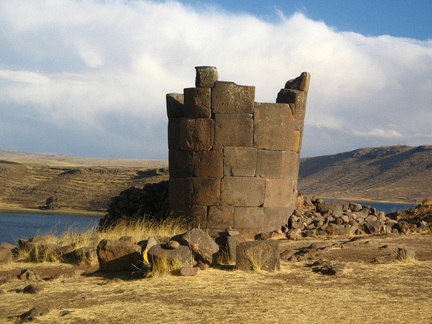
(159, 253)
(27, 274)
(188, 271)
(172, 245)
(115, 256)
(31, 289)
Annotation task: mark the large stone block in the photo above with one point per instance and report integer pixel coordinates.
(175, 105)
(290, 165)
(117, 256)
(181, 163)
(290, 96)
(276, 217)
(280, 193)
(221, 216)
(176, 257)
(177, 191)
(196, 134)
(239, 161)
(273, 127)
(233, 130)
(197, 102)
(249, 217)
(209, 164)
(174, 134)
(258, 255)
(242, 191)
(230, 98)
(206, 191)
(269, 164)
(195, 216)
(206, 76)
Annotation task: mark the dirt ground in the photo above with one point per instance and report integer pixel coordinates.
(374, 287)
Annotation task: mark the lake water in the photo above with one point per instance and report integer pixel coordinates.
(15, 226)
(385, 207)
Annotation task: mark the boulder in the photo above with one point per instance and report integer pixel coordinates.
(188, 271)
(203, 247)
(114, 256)
(258, 255)
(160, 253)
(227, 248)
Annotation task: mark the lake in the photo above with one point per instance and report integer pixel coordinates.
(385, 207)
(15, 226)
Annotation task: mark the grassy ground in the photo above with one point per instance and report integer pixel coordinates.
(377, 288)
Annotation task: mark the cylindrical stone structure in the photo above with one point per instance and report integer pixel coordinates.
(233, 163)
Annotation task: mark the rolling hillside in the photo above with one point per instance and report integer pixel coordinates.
(393, 173)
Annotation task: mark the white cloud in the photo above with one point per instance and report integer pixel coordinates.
(98, 72)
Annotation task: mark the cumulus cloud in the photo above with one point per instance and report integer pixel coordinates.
(89, 78)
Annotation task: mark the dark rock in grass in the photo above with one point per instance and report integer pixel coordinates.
(84, 255)
(258, 255)
(27, 274)
(227, 248)
(31, 289)
(159, 253)
(32, 314)
(117, 256)
(188, 271)
(203, 247)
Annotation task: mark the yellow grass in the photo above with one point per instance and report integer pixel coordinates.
(378, 293)
(139, 230)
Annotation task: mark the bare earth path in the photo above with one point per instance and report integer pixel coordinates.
(375, 289)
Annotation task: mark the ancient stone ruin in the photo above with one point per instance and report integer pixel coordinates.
(233, 162)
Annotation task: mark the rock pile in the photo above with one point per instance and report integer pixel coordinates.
(135, 203)
(315, 217)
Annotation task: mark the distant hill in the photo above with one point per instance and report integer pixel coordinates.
(393, 173)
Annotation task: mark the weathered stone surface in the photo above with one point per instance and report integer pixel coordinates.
(249, 217)
(175, 105)
(290, 96)
(276, 217)
(233, 130)
(180, 256)
(203, 247)
(269, 164)
(280, 193)
(206, 191)
(273, 127)
(196, 134)
(230, 98)
(174, 134)
(177, 189)
(188, 271)
(221, 216)
(290, 165)
(172, 245)
(195, 216)
(206, 76)
(239, 161)
(209, 164)
(242, 191)
(302, 82)
(227, 248)
(258, 255)
(117, 256)
(197, 102)
(32, 314)
(82, 255)
(181, 163)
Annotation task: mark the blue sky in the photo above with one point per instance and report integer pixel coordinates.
(88, 78)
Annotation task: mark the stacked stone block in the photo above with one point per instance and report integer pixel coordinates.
(234, 162)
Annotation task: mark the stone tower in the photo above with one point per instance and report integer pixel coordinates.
(234, 162)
